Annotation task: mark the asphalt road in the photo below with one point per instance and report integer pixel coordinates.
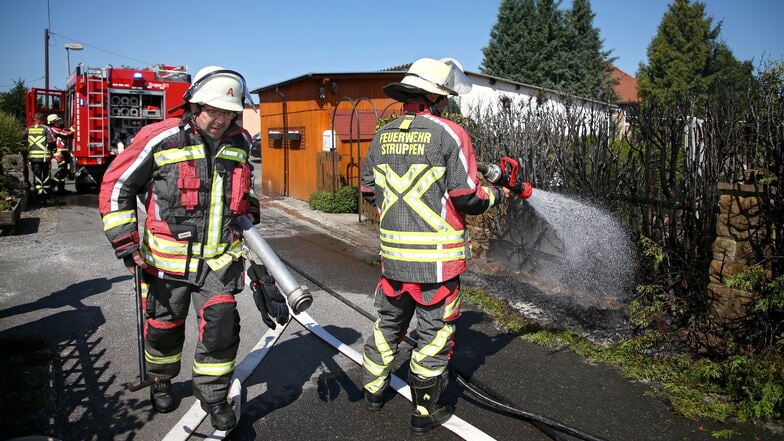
(67, 341)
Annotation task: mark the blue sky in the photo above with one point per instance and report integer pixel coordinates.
(273, 41)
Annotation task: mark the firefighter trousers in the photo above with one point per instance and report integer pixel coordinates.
(435, 336)
(218, 326)
(41, 170)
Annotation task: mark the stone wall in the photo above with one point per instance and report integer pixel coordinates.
(737, 235)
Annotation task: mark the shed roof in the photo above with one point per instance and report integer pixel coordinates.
(319, 75)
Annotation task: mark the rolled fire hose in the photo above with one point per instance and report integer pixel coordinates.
(299, 298)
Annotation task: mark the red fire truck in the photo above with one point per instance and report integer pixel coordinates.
(106, 106)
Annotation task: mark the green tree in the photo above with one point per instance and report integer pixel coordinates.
(525, 43)
(536, 43)
(13, 101)
(685, 58)
(589, 67)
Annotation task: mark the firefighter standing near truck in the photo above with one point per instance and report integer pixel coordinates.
(62, 153)
(38, 156)
(196, 177)
(421, 174)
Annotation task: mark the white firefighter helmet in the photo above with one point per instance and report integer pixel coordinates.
(218, 87)
(52, 118)
(427, 75)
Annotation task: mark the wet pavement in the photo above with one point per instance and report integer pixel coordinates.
(67, 309)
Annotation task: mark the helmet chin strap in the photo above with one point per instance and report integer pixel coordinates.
(435, 109)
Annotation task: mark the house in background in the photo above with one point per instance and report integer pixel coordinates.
(315, 129)
(625, 88)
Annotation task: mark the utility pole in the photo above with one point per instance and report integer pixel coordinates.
(46, 58)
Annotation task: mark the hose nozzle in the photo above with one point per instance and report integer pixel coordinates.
(506, 175)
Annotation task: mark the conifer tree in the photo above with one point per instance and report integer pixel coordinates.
(536, 43)
(678, 54)
(588, 66)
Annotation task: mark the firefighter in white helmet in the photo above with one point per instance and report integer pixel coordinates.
(421, 174)
(62, 152)
(196, 178)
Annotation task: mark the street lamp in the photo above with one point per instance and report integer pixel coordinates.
(68, 48)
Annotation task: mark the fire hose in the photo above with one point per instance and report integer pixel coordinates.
(298, 297)
(548, 426)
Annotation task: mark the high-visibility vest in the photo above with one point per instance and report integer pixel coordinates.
(37, 138)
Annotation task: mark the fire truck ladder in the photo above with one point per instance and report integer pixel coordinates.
(96, 111)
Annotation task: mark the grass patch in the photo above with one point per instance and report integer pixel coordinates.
(745, 388)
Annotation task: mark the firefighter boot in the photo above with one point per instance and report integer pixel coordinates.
(162, 397)
(221, 414)
(427, 414)
(375, 400)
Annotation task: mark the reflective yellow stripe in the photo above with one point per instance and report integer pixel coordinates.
(440, 255)
(451, 307)
(437, 345)
(213, 369)
(376, 385)
(414, 199)
(233, 154)
(163, 360)
(215, 218)
(117, 218)
(187, 153)
(422, 371)
(381, 344)
(229, 256)
(166, 246)
(454, 237)
(168, 264)
(372, 367)
(38, 153)
(145, 289)
(412, 185)
(430, 350)
(212, 251)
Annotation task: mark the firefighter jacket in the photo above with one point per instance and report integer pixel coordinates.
(62, 138)
(191, 197)
(421, 174)
(38, 138)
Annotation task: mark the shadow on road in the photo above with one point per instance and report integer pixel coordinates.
(54, 379)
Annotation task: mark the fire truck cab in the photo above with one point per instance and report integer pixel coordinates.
(105, 107)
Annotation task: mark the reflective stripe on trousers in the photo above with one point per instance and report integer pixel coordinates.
(435, 331)
(166, 308)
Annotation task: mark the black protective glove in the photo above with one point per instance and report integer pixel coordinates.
(267, 296)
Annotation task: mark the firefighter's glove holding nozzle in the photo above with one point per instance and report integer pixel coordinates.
(268, 298)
